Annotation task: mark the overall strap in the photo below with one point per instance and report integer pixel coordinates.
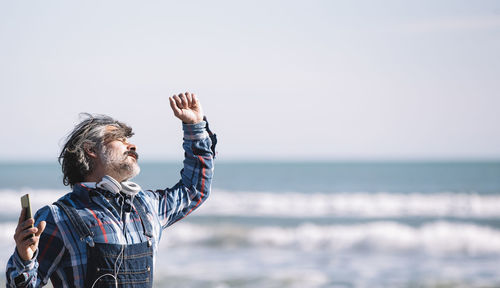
(146, 224)
(81, 228)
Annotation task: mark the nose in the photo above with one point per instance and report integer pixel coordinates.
(131, 146)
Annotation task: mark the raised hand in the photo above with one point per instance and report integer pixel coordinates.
(26, 247)
(187, 108)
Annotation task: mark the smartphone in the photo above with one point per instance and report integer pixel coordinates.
(26, 205)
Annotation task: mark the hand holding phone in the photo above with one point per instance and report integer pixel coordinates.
(26, 235)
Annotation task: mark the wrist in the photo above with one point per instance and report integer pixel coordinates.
(195, 131)
(23, 264)
(22, 256)
(193, 121)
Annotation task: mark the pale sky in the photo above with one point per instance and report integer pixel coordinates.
(279, 80)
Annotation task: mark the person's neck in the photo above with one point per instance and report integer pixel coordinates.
(96, 176)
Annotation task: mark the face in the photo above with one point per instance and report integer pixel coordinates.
(119, 158)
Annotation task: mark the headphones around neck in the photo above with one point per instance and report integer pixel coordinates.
(126, 187)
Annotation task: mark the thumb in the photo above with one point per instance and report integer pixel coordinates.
(41, 227)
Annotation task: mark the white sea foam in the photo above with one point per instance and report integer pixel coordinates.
(11, 203)
(268, 256)
(366, 205)
(300, 205)
(433, 238)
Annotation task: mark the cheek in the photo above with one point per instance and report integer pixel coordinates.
(114, 152)
(119, 154)
(116, 149)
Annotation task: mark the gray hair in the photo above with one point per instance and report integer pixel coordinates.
(88, 135)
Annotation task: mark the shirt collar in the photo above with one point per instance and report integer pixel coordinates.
(83, 191)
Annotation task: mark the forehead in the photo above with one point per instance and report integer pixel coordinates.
(112, 132)
(110, 129)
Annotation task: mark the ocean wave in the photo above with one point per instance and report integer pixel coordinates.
(363, 205)
(311, 205)
(11, 203)
(437, 238)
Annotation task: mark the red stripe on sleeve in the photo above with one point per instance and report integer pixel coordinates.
(202, 185)
(40, 258)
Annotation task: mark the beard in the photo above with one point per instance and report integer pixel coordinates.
(120, 166)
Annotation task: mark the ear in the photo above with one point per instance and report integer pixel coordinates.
(90, 151)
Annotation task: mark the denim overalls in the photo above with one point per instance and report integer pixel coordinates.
(136, 269)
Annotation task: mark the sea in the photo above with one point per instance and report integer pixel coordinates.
(311, 224)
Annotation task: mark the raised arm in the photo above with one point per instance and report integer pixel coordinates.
(199, 150)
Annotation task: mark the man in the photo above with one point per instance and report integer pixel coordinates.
(105, 233)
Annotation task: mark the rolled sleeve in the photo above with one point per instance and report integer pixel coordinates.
(21, 271)
(196, 131)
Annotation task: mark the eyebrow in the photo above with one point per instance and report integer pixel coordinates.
(114, 134)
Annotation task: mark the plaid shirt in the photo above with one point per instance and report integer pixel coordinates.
(62, 257)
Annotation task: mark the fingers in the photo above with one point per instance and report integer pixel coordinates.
(189, 98)
(178, 100)
(28, 233)
(184, 100)
(173, 104)
(181, 101)
(24, 225)
(195, 102)
(192, 100)
(186, 107)
(27, 238)
(29, 242)
(41, 227)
